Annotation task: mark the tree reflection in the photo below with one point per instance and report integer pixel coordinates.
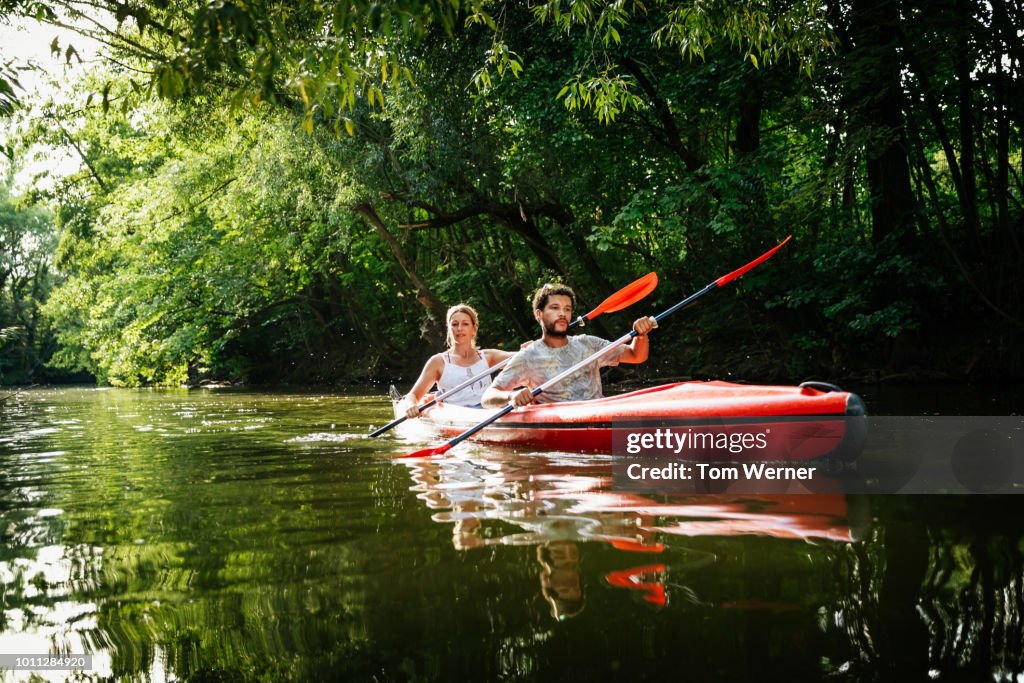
(936, 591)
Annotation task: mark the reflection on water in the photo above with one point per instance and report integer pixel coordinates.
(555, 502)
(242, 536)
(147, 528)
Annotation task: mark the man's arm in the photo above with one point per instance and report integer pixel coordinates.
(499, 398)
(638, 349)
(502, 389)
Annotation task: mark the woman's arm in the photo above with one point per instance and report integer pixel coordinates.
(495, 356)
(428, 377)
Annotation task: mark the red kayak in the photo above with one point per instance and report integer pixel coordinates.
(802, 423)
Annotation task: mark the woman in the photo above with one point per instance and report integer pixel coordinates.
(461, 361)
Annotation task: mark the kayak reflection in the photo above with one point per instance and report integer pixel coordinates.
(557, 501)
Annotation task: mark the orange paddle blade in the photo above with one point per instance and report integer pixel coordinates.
(753, 264)
(429, 452)
(627, 296)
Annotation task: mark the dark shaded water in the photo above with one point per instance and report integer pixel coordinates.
(244, 536)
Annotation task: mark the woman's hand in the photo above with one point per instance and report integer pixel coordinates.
(411, 408)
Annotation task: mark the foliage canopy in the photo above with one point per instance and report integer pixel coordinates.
(385, 165)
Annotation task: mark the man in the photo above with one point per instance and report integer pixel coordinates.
(557, 352)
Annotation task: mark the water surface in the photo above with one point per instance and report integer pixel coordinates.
(208, 535)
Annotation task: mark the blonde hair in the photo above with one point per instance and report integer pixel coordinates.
(460, 308)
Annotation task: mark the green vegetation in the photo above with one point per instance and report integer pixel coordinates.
(26, 280)
(296, 192)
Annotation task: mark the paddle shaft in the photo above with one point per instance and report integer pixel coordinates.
(725, 279)
(443, 395)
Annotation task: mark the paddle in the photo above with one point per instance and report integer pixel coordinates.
(725, 279)
(627, 296)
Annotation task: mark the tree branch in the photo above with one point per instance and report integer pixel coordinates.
(85, 160)
(672, 140)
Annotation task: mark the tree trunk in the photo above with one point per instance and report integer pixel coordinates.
(434, 330)
(666, 120)
(748, 142)
(526, 227)
(1001, 35)
(965, 199)
(517, 216)
(941, 223)
(904, 648)
(875, 103)
(962, 69)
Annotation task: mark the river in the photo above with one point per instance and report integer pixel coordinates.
(235, 535)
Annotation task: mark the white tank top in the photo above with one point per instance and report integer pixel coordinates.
(454, 375)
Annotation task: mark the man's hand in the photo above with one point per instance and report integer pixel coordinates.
(499, 398)
(523, 397)
(637, 350)
(644, 325)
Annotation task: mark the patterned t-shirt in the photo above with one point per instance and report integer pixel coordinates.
(538, 363)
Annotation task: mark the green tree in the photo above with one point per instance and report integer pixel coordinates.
(474, 156)
(26, 278)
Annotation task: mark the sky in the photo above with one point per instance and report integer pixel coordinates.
(26, 40)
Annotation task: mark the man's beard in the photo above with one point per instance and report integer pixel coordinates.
(551, 331)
